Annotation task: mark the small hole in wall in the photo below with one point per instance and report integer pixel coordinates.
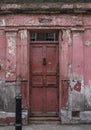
(75, 113)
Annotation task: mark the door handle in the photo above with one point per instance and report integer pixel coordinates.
(44, 61)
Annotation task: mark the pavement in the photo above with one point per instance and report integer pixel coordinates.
(49, 127)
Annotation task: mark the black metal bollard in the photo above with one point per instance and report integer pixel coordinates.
(18, 111)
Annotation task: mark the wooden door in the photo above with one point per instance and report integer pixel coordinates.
(44, 79)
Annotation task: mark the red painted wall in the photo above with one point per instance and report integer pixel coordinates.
(74, 54)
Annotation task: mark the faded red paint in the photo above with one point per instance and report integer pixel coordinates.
(61, 20)
(64, 55)
(77, 56)
(77, 86)
(11, 120)
(43, 77)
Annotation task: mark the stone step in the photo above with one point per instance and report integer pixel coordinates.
(39, 120)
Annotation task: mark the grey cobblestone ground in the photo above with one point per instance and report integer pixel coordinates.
(49, 127)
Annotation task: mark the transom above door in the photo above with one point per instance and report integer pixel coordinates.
(43, 73)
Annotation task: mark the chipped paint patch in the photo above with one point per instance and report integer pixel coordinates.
(23, 34)
(87, 43)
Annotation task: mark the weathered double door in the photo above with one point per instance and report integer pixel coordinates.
(44, 78)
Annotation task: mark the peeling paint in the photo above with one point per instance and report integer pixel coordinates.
(77, 20)
(87, 43)
(87, 96)
(76, 34)
(75, 80)
(9, 73)
(76, 92)
(69, 39)
(11, 43)
(12, 46)
(23, 34)
(79, 93)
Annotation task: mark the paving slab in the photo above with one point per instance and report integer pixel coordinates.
(49, 127)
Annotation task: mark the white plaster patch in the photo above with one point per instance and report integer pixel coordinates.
(9, 114)
(87, 43)
(23, 34)
(24, 113)
(2, 22)
(9, 73)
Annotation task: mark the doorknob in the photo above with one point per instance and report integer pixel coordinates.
(44, 61)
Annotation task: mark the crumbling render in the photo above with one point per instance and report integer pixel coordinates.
(11, 43)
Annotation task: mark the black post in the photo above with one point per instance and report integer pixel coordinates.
(18, 111)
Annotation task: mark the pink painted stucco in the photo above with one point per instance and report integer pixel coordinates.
(74, 55)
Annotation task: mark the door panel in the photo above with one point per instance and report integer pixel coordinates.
(43, 78)
(51, 56)
(37, 56)
(52, 99)
(37, 80)
(37, 99)
(51, 80)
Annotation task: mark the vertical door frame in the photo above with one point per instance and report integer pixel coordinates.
(59, 58)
